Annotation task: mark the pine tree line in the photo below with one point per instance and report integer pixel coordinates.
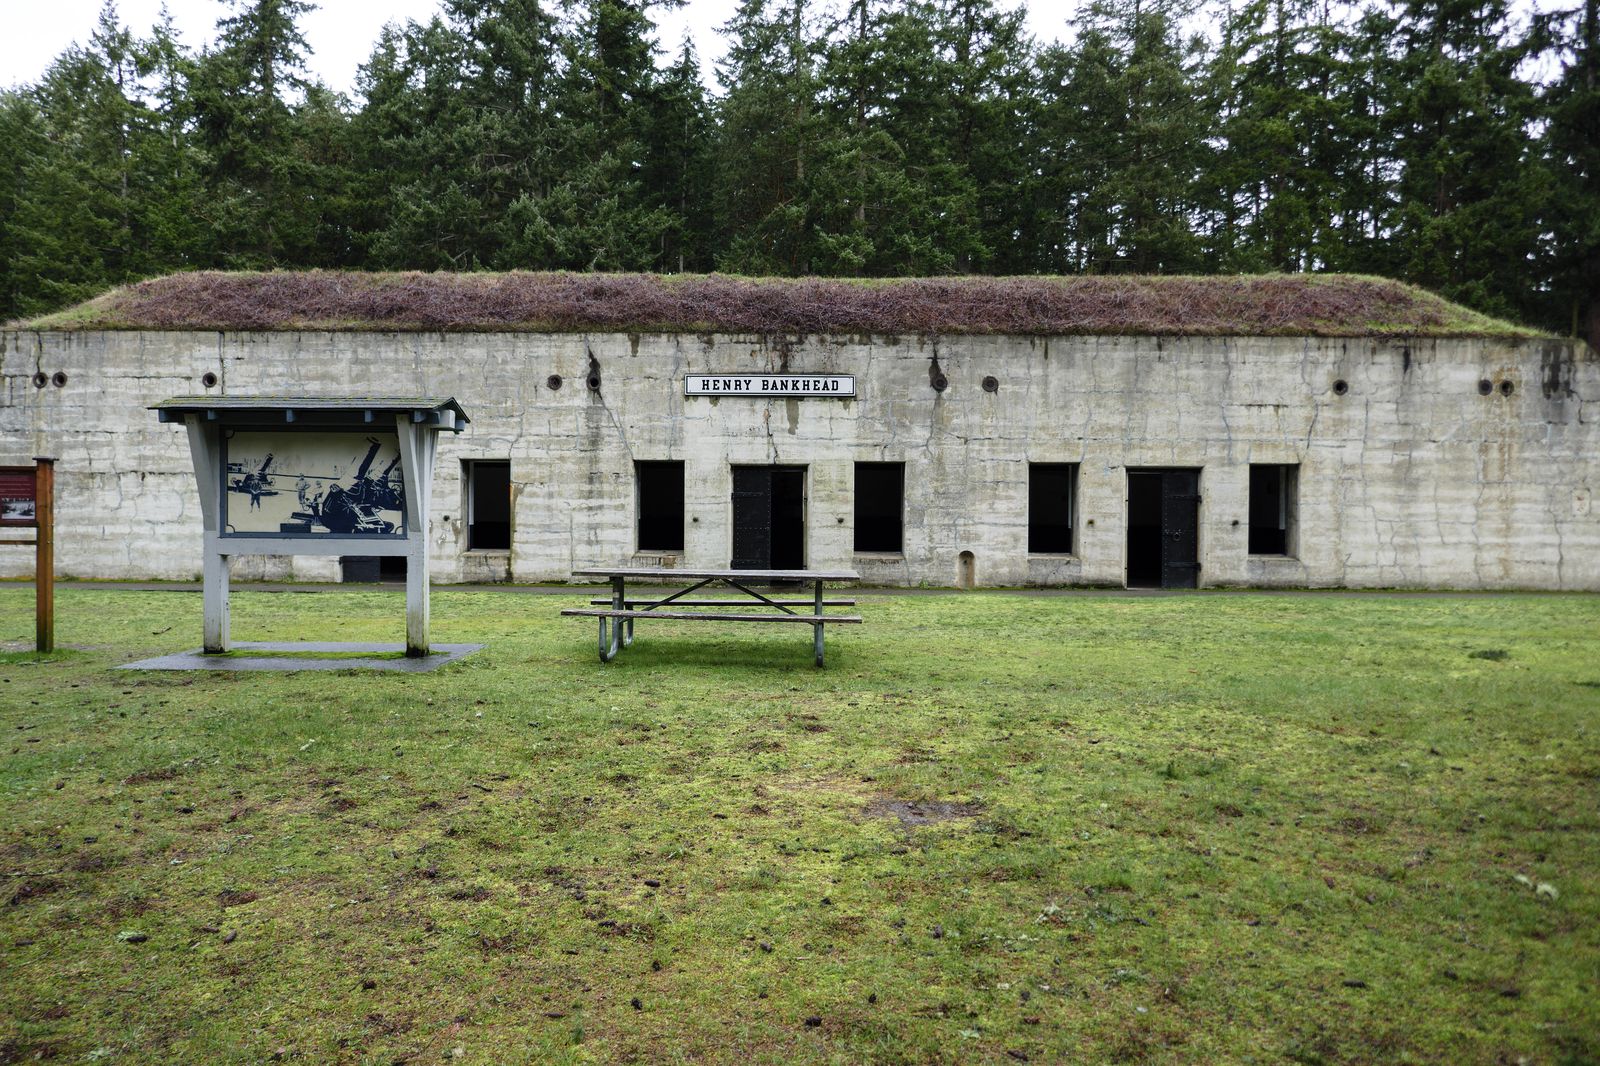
(1430, 140)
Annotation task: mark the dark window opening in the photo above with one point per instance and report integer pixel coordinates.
(370, 569)
(660, 506)
(1271, 509)
(488, 505)
(1051, 489)
(880, 504)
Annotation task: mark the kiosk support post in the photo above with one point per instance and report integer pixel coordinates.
(205, 449)
(44, 594)
(217, 636)
(417, 448)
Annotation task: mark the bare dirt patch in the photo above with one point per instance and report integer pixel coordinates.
(32, 888)
(911, 813)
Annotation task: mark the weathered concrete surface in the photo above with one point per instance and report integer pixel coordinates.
(1410, 478)
(198, 659)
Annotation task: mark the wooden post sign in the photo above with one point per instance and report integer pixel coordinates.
(27, 501)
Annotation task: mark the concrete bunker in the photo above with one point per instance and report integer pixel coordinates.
(1335, 424)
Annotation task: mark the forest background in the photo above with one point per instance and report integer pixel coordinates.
(1437, 141)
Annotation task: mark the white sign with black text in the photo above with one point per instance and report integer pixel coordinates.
(826, 386)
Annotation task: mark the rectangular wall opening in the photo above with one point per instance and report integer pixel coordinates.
(1052, 492)
(880, 507)
(1164, 529)
(1272, 499)
(769, 518)
(369, 569)
(660, 505)
(488, 505)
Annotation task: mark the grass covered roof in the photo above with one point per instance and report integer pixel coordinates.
(1323, 305)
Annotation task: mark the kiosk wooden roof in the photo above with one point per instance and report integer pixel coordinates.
(443, 414)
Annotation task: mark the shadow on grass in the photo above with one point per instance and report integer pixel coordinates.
(746, 656)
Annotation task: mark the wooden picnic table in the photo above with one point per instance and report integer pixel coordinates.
(618, 613)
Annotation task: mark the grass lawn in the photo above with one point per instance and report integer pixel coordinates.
(997, 828)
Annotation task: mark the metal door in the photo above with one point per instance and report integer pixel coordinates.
(752, 518)
(1180, 529)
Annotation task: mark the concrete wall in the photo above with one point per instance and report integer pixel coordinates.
(1409, 478)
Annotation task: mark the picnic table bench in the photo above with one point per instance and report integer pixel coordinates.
(618, 613)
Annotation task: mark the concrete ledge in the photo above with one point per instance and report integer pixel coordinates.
(195, 659)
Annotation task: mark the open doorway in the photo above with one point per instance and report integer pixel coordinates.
(1164, 529)
(769, 518)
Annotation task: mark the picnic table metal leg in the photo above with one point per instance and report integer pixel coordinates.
(817, 627)
(619, 601)
(609, 648)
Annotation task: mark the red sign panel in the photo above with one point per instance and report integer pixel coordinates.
(17, 496)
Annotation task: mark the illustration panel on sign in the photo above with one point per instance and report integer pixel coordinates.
(17, 496)
(307, 484)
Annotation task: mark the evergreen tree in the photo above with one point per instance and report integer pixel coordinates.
(872, 137)
(171, 205)
(594, 213)
(72, 225)
(867, 199)
(679, 168)
(264, 210)
(427, 132)
(1470, 193)
(1282, 141)
(1123, 143)
(37, 273)
(769, 129)
(892, 192)
(985, 58)
(1571, 150)
(1365, 195)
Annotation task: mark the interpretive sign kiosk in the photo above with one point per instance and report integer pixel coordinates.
(287, 475)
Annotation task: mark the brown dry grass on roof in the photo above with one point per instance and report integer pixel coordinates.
(1272, 305)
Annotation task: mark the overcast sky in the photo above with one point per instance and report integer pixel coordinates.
(341, 32)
